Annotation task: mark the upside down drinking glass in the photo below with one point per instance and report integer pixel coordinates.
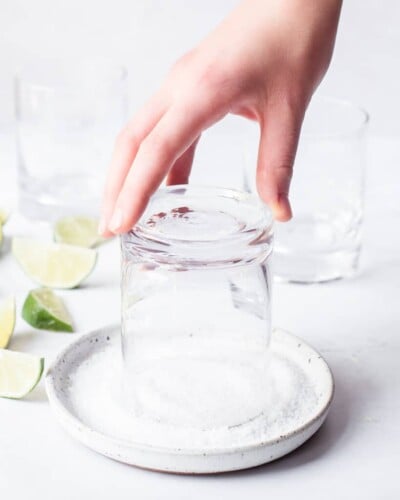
(196, 308)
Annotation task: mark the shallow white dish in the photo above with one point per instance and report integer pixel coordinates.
(85, 374)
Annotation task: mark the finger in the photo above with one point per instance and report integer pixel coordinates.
(180, 171)
(125, 150)
(172, 136)
(279, 136)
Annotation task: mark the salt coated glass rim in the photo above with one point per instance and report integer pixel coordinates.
(33, 74)
(263, 223)
(363, 120)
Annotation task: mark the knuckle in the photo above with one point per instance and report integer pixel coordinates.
(289, 98)
(214, 78)
(208, 77)
(217, 86)
(285, 164)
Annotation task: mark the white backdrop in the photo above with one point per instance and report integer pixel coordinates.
(147, 35)
(355, 323)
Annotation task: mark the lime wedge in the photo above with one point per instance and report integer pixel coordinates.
(53, 265)
(44, 310)
(80, 231)
(19, 373)
(7, 320)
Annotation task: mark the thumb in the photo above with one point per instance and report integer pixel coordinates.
(279, 135)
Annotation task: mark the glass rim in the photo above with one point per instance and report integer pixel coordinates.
(364, 118)
(29, 74)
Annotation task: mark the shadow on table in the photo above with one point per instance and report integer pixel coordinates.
(22, 341)
(103, 282)
(5, 246)
(38, 395)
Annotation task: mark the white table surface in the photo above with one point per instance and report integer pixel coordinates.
(354, 323)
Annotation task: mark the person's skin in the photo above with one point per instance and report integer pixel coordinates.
(263, 62)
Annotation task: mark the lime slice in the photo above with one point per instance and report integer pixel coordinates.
(53, 265)
(19, 373)
(44, 310)
(79, 231)
(7, 320)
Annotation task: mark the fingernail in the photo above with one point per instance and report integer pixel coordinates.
(102, 225)
(116, 220)
(284, 210)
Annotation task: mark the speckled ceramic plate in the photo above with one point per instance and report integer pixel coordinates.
(83, 384)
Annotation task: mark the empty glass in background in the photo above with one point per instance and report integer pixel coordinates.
(323, 240)
(67, 117)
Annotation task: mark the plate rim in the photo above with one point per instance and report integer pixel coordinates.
(57, 404)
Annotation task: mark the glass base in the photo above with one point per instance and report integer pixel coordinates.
(294, 267)
(49, 210)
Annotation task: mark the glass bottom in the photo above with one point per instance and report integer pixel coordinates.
(294, 267)
(58, 196)
(314, 248)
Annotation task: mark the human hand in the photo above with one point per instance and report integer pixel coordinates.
(263, 62)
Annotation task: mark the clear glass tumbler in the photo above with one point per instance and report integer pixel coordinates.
(196, 309)
(323, 240)
(67, 117)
